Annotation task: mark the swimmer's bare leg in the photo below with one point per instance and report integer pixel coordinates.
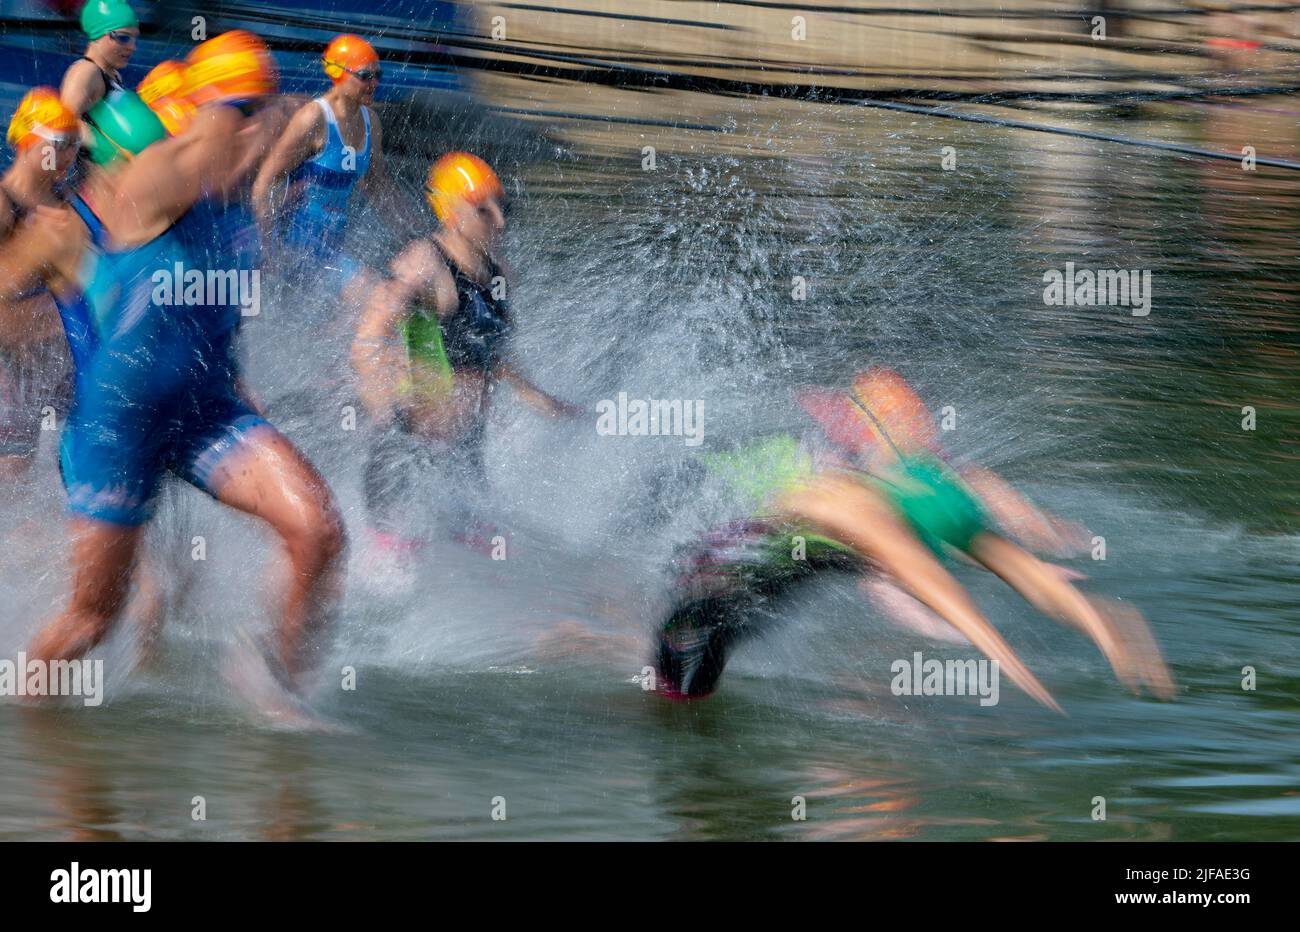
(268, 478)
(103, 557)
(1123, 638)
(848, 511)
(147, 609)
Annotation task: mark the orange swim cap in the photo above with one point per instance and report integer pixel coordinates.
(162, 90)
(42, 116)
(839, 418)
(894, 407)
(232, 66)
(165, 80)
(345, 54)
(459, 175)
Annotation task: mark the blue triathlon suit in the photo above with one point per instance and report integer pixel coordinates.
(156, 380)
(319, 223)
(74, 309)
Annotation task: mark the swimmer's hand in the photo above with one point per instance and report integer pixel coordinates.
(1131, 648)
(987, 640)
(567, 410)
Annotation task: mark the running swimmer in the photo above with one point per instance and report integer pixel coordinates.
(884, 498)
(431, 346)
(161, 390)
(45, 136)
(331, 145)
(112, 29)
(60, 251)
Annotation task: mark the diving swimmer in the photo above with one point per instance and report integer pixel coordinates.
(884, 497)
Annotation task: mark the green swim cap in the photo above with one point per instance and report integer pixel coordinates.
(121, 125)
(100, 17)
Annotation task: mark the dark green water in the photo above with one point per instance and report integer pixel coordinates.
(516, 680)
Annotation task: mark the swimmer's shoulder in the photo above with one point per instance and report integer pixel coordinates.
(421, 268)
(84, 80)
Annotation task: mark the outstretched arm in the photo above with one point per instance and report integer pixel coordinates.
(533, 396)
(1036, 529)
(848, 511)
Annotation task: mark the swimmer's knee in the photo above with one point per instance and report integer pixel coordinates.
(317, 535)
(331, 537)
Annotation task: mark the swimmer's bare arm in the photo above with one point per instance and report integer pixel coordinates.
(44, 248)
(1035, 528)
(527, 391)
(846, 510)
(378, 357)
(533, 396)
(82, 87)
(168, 177)
(301, 139)
(257, 138)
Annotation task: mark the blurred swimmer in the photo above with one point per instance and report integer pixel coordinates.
(45, 136)
(885, 498)
(332, 145)
(432, 344)
(161, 393)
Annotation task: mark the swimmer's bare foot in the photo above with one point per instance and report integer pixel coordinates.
(147, 610)
(255, 673)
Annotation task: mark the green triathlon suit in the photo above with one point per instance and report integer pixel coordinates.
(421, 335)
(726, 578)
(472, 338)
(934, 500)
(928, 493)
